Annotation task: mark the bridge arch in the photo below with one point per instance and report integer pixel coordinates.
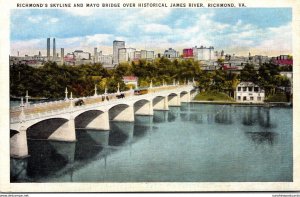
(160, 103)
(185, 96)
(143, 107)
(92, 119)
(121, 112)
(174, 99)
(45, 128)
(13, 132)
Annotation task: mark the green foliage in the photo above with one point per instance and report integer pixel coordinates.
(212, 96)
(51, 80)
(278, 97)
(249, 74)
(270, 78)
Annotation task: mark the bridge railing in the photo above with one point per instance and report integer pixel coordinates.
(63, 106)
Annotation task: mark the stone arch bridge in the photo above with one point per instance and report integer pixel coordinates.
(58, 120)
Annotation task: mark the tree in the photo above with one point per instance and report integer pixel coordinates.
(249, 74)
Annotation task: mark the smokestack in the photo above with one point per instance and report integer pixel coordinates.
(62, 54)
(18, 53)
(40, 54)
(54, 50)
(95, 55)
(48, 49)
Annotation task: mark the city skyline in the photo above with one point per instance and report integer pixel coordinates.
(265, 31)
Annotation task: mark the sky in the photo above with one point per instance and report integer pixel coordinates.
(264, 31)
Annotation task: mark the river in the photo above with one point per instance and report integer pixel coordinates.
(192, 143)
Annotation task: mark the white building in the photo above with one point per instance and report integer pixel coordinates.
(204, 53)
(171, 53)
(126, 54)
(106, 60)
(249, 92)
(150, 55)
(81, 55)
(144, 54)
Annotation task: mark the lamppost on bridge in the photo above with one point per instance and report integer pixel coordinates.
(26, 104)
(163, 82)
(150, 84)
(66, 94)
(95, 91)
(105, 93)
(71, 100)
(174, 83)
(22, 114)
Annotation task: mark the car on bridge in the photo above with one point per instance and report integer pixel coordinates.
(141, 91)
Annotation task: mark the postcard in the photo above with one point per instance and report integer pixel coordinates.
(146, 96)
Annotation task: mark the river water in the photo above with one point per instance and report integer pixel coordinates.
(192, 143)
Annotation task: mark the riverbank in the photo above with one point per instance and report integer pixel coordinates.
(269, 104)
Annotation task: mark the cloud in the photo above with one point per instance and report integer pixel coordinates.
(53, 20)
(156, 29)
(36, 19)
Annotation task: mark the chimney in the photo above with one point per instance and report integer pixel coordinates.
(48, 49)
(54, 50)
(62, 55)
(95, 55)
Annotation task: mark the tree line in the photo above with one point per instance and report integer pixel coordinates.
(51, 80)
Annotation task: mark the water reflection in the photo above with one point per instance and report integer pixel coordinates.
(224, 117)
(86, 147)
(18, 169)
(262, 137)
(150, 144)
(248, 117)
(121, 133)
(44, 159)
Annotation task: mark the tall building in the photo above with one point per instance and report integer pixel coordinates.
(95, 55)
(116, 46)
(54, 50)
(48, 49)
(205, 53)
(62, 55)
(126, 54)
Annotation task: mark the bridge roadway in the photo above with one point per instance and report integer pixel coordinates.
(58, 120)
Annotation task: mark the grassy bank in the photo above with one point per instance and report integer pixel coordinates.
(213, 96)
(279, 97)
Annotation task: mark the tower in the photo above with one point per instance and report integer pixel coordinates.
(48, 49)
(62, 54)
(54, 50)
(116, 46)
(95, 55)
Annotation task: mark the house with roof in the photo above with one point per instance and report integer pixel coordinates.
(131, 80)
(248, 92)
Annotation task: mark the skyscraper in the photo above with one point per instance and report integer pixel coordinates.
(54, 50)
(62, 55)
(116, 46)
(48, 49)
(95, 55)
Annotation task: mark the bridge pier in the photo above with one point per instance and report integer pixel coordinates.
(146, 109)
(186, 97)
(101, 122)
(66, 132)
(174, 100)
(161, 104)
(125, 115)
(18, 144)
